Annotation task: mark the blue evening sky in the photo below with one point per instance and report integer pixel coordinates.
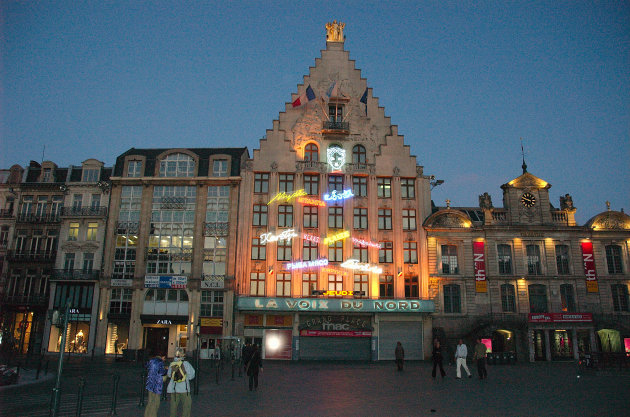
(462, 80)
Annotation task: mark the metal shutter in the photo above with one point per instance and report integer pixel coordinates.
(409, 333)
(337, 348)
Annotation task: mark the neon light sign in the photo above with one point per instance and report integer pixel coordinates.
(311, 201)
(270, 237)
(286, 197)
(336, 157)
(338, 196)
(365, 243)
(312, 238)
(355, 264)
(339, 236)
(307, 264)
(334, 293)
(334, 271)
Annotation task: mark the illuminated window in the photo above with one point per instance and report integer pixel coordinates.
(452, 299)
(620, 297)
(410, 252)
(359, 186)
(508, 298)
(309, 283)
(73, 231)
(384, 187)
(134, 169)
(310, 216)
(385, 219)
(359, 154)
(311, 152)
(409, 219)
(257, 283)
(386, 252)
(386, 286)
(408, 188)
(411, 287)
(504, 258)
(335, 251)
(360, 218)
(562, 259)
(310, 250)
(613, 259)
(284, 250)
(283, 285)
(537, 298)
(311, 184)
(220, 168)
(285, 216)
(177, 165)
(335, 282)
(261, 182)
(260, 215)
(449, 259)
(361, 283)
(335, 183)
(285, 183)
(259, 250)
(360, 252)
(533, 260)
(567, 298)
(335, 217)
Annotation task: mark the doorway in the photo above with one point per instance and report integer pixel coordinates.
(156, 341)
(539, 345)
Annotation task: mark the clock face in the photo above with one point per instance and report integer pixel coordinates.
(528, 200)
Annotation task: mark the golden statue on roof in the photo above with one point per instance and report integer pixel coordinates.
(334, 31)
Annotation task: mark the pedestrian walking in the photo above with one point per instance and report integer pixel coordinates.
(437, 358)
(181, 372)
(400, 356)
(480, 356)
(254, 366)
(155, 380)
(460, 359)
(247, 353)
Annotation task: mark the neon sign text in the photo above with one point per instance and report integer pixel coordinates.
(307, 264)
(339, 236)
(334, 271)
(355, 264)
(333, 196)
(312, 238)
(311, 201)
(362, 242)
(334, 293)
(286, 197)
(270, 237)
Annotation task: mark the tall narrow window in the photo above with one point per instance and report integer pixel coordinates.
(359, 186)
(73, 231)
(411, 287)
(508, 298)
(386, 286)
(613, 259)
(77, 202)
(257, 283)
(360, 252)
(259, 250)
(96, 201)
(452, 299)
(220, 168)
(504, 258)
(68, 262)
(335, 217)
(310, 216)
(562, 259)
(410, 252)
(261, 182)
(385, 219)
(360, 218)
(285, 183)
(359, 155)
(311, 184)
(384, 187)
(260, 215)
(309, 283)
(408, 188)
(283, 285)
(335, 183)
(134, 169)
(567, 298)
(386, 252)
(88, 262)
(537, 298)
(285, 216)
(284, 250)
(620, 297)
(361, 284)
(311, 152)
(533, 260)
(449, 259)
(92, 231)
(310, 250)
(335, 251)
(409, 219)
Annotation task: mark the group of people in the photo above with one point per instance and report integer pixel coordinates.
(461, 354)
(180, 372)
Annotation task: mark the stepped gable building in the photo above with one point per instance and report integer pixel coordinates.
(77, 267)
(526, 278)
(169, 259)
(331, 259)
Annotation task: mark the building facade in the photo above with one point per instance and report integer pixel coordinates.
(332, 260)
(526, 278)
(169, 251)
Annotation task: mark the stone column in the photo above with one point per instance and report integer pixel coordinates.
(530, 343)
(574, 341)
(547, 345)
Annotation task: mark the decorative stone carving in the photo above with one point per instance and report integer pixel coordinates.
(274, 166)
(485, 201)
(248, 165)
(450, 220)
(566, 202)
(396, 172)
(419, 171)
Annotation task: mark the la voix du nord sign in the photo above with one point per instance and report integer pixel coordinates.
(336, 305)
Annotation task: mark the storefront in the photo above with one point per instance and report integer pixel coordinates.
(210, 333)
(560, 336)
(336, 329)
(162, 335)
(117, 334)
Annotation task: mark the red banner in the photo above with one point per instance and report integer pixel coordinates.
(589, 267)
(560, 317)
(479, 257)
(324, 333)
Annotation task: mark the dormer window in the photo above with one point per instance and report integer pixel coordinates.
(90, 174)
(220, 168)
(47, 175)
(134, 169)
(177, 165)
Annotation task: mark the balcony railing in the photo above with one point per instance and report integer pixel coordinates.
(6, 214)
(74, 275)
(336, 127)
(31, 256)
(560, 217)
(499, 216)
(310, 166)
(216, 229)
(39, 300)
(84, 211)
(360, 168)
(38, 218)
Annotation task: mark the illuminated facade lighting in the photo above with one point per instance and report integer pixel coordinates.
(270, 237)
(283, 197)
(366, 243)
(311, 201)
(338, 236)
(355, 264)
(334, 196)
(307, 264)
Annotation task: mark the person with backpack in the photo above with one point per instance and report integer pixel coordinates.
(180, 372)
(155, 378)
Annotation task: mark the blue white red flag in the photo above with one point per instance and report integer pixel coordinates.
(308, 95)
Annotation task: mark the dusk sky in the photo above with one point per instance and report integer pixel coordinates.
(464, 81)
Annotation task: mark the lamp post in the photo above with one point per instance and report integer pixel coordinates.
(56, 390)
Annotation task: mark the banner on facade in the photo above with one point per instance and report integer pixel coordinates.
(121, 282)
(211, 325)
(324, 333)
(589, 267)
(213, 282)
(335, 305)
(560, 317)
(165, 281)
(479, 257)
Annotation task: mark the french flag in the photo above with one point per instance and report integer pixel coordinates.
(308, 95)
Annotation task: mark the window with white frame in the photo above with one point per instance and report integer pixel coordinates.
(220, 168)
(211, 303)
(120, 301)
(283, 285)
(408, 188)
(134, 169)
(449, 259)
(257, 283)
(90, 174)
(177, 165)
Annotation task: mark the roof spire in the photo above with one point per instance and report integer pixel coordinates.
(524, 166)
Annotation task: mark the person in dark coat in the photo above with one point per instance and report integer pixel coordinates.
(437, 358)
(246, 354)
(400, 356)
(254, 366)
(155, 380)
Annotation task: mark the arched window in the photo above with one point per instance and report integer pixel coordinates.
(359, 154)
(177, 165)
(311, 152)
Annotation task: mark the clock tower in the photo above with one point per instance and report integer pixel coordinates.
(526, 199)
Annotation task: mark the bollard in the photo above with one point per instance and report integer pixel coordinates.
(80, 397)
(142, 383)
(113, 412)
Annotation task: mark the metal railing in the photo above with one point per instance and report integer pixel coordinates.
(360, 168)
(25, 299)
(31, 256)
(216, 228)
(38, 218)
(4, 213)
(334, 125)
(84, 211)
(74, 275)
